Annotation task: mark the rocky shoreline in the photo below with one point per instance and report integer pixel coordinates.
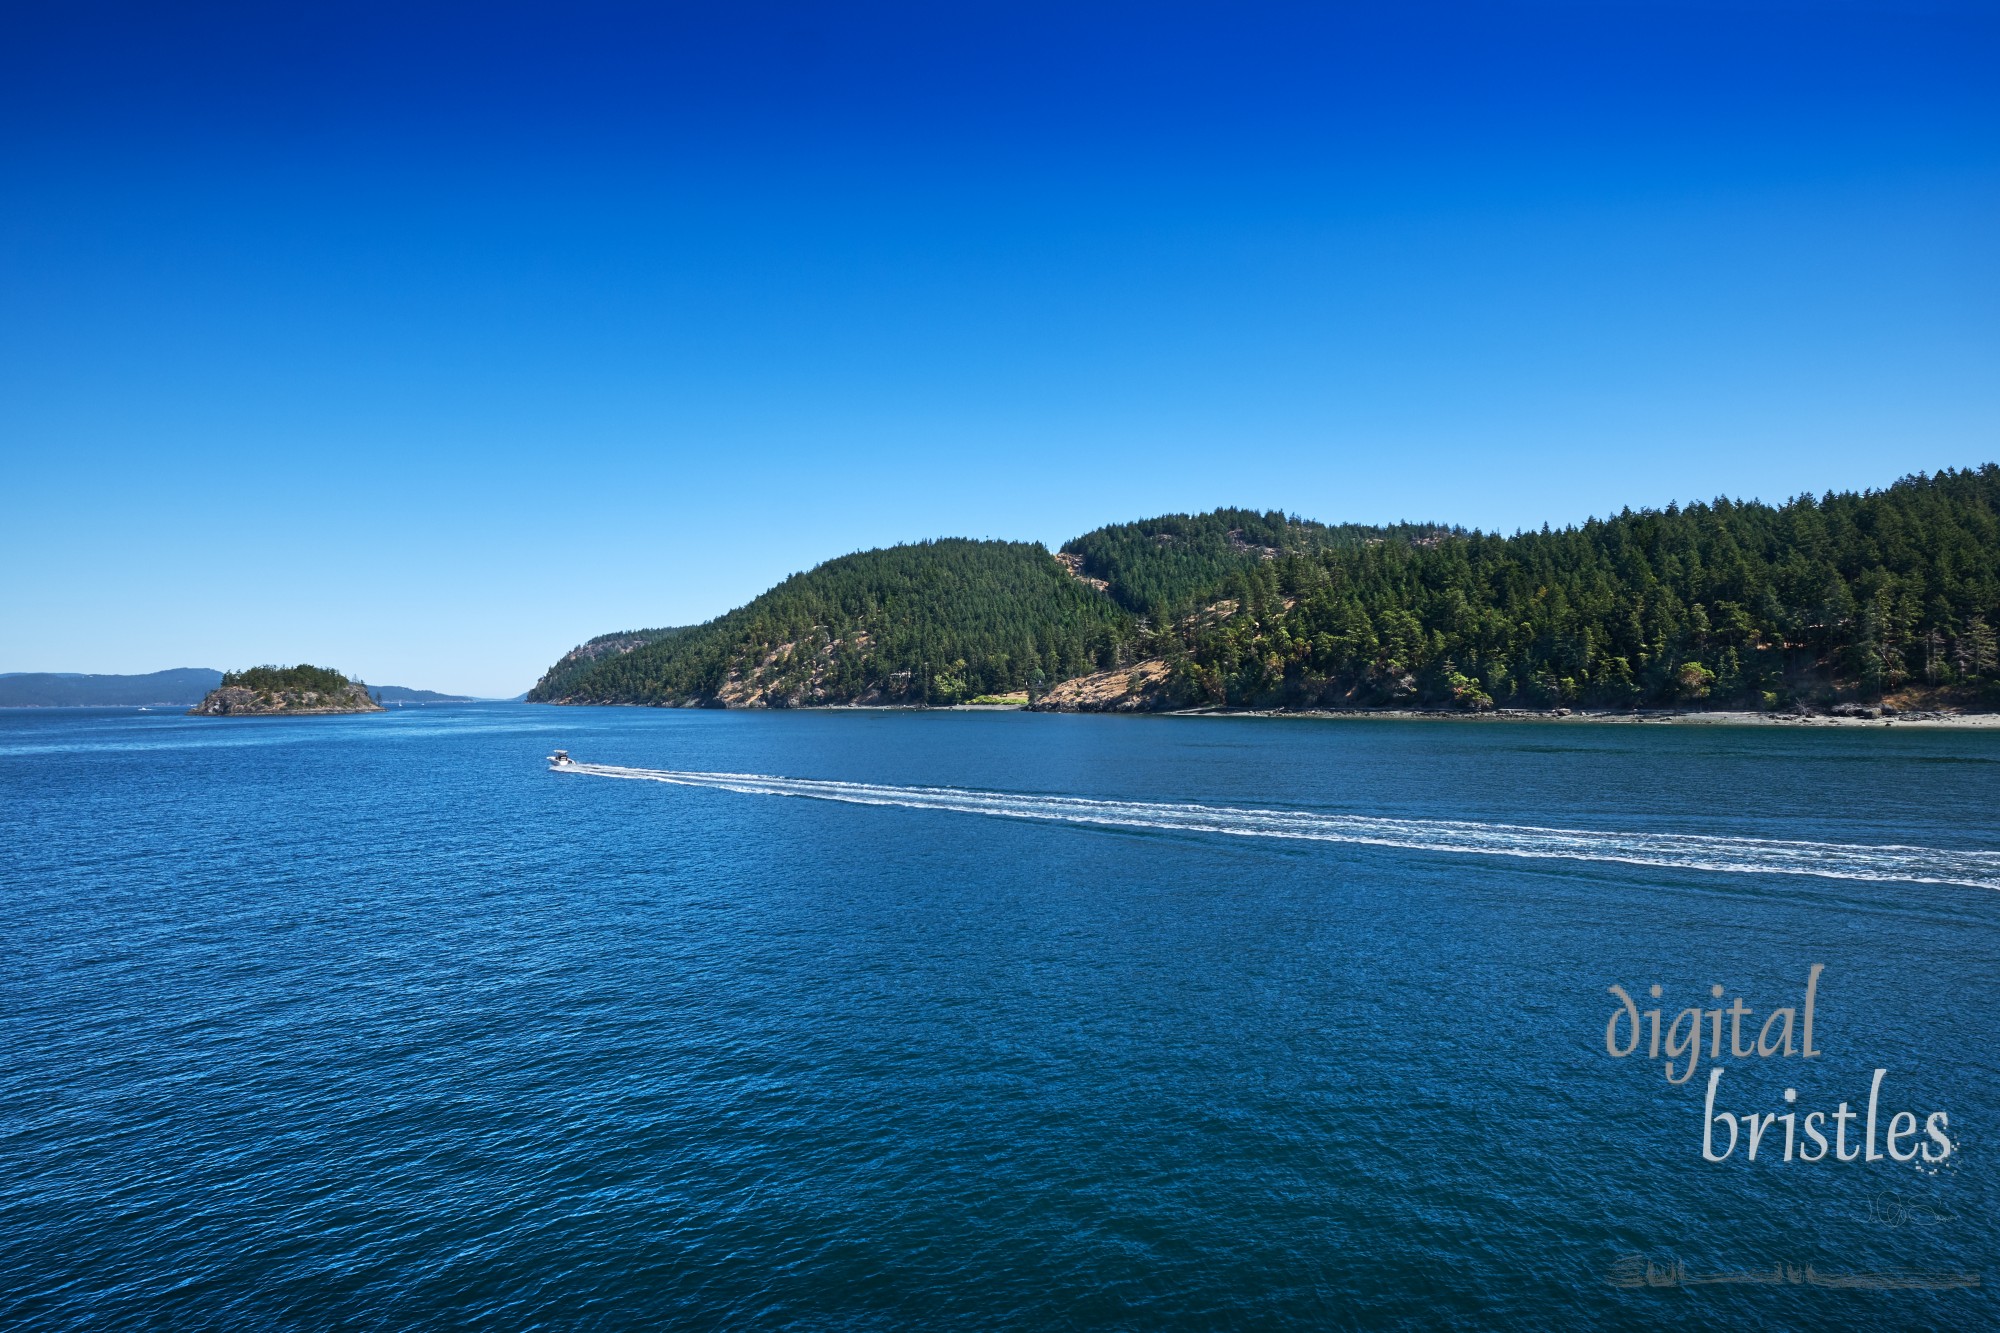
(242, 701)
(1842, 715)
(1846, 715)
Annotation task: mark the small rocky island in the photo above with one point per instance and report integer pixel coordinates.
(290, 691)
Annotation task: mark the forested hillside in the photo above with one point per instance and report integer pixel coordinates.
(932, 623)
(1162, 567)
(1842, 596)
(1845, 595)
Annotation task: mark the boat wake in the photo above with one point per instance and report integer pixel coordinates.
(1682, 851)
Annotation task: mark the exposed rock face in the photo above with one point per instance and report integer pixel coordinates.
(1139, 688)
(796, 675)
(240, 700)
(607, 645)
(1074, 564)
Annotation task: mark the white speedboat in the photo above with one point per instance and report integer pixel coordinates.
(561, 759)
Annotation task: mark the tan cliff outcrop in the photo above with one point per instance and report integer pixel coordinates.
(1074, 564)
(1139, 688)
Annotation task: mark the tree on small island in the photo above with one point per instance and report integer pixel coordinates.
(293, 689)
(301, 677)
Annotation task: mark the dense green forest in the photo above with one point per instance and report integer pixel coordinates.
(1841, 596)
(277, 678)
(931, 623)
(1163, 567)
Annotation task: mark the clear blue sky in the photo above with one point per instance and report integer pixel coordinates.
(426, 341)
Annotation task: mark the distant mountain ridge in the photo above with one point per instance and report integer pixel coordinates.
(398, 694)
(1824, 599)
(181, 687)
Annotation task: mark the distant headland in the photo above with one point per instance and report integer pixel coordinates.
(1880, 604)
(292, 691)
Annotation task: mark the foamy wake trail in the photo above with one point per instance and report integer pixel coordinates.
(1688, 851)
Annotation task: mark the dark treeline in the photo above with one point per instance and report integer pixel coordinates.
(932, 623)
(1843, 596)
(1839, 596)
(287, 678)
(1161, 567)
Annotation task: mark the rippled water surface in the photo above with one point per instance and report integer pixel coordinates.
(905, 1020)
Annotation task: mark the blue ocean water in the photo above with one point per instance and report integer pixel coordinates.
(374, 1022)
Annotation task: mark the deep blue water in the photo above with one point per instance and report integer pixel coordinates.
(374, 1022)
